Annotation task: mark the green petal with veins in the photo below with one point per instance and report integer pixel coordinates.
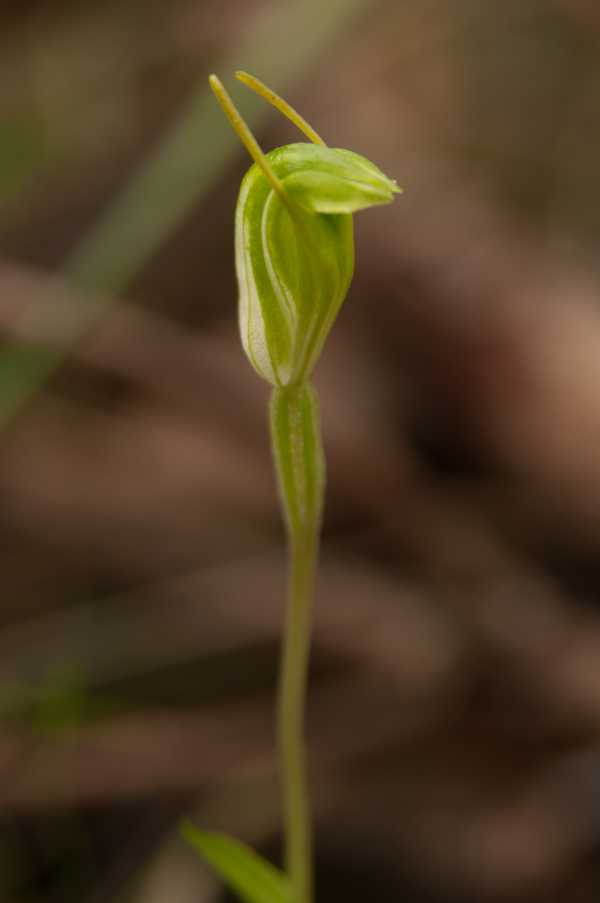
(295, 253)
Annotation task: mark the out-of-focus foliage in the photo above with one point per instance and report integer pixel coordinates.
(253, 878)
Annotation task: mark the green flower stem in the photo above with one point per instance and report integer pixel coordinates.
(297, 449)
(292, 695)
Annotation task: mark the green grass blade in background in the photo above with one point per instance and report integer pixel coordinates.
(284, 43)
(253, 878)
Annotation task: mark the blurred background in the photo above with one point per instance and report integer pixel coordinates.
(454, 716)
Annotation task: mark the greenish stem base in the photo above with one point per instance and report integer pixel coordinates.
(295, 433)
(292, 696)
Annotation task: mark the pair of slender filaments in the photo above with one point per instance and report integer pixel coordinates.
(242, 130)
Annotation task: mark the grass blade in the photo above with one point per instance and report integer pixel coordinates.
(253, 878)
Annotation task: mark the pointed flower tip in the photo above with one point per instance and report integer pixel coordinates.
(386, 190)
(376, 183)
(389, 190)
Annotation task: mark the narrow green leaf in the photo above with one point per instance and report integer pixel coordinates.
(253, 878)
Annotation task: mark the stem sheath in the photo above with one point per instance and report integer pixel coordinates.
(297, 449)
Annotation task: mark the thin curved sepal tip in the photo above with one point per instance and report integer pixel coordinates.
(259, 87)
(243, 132)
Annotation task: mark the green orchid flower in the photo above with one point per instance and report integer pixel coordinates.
(294, 253)
(294, 241)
